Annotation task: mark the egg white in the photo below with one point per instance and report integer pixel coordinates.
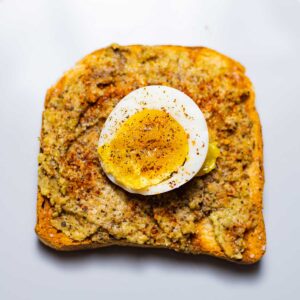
(183, 109)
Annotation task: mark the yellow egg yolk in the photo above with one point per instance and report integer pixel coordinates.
(147, 148)
(209, 164)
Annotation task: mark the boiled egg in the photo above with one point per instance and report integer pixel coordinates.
(154, 140)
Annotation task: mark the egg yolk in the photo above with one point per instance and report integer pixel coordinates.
(147, 148)
(209, 164)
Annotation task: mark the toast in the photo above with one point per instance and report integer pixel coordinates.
(219, 214)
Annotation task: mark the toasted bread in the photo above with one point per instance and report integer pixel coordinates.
(219, 214)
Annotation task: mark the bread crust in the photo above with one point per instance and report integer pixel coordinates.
(204, 241)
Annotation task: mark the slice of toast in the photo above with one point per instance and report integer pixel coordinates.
(218, 214)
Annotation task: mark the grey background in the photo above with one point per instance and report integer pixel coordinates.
(39, 40)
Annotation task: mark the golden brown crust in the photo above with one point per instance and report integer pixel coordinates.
(204, 241)
(256, 239)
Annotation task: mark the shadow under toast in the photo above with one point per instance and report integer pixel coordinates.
(140, 255)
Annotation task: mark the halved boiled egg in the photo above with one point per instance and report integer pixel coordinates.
(154, 141)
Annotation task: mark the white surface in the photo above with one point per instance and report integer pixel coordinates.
(39, 40)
